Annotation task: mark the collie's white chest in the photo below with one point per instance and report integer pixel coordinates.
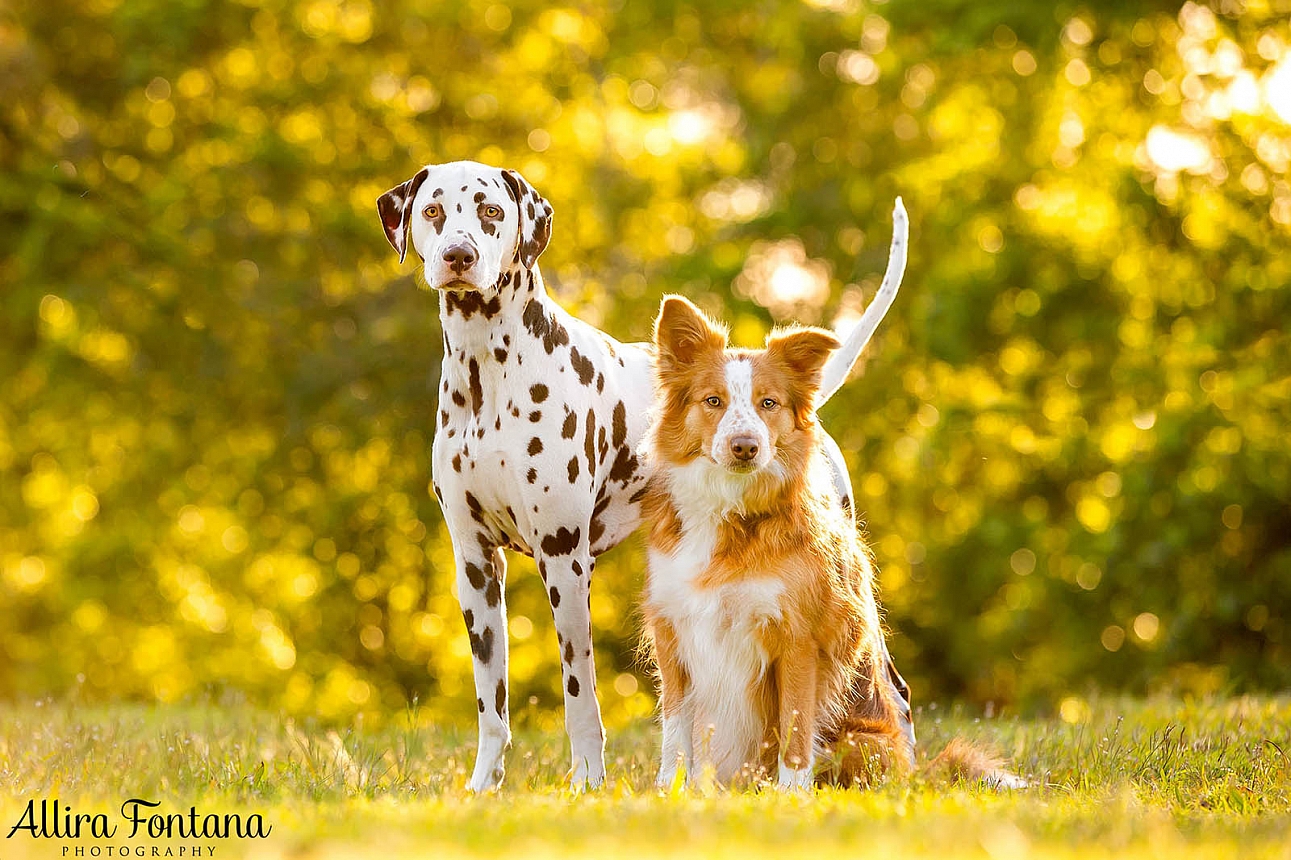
(739, 607)
(704, 495)
(718, 638)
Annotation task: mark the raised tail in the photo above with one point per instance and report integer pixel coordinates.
(840, 364)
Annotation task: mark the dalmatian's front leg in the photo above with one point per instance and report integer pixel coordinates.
(567, 576)
(481, 575)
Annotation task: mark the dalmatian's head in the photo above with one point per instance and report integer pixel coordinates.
(469, 223)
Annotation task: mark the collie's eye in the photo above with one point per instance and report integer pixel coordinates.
(768, 403)
(713, 401)
(492, 212)
(431, 211)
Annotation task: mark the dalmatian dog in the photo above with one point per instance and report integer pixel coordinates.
(539, 420)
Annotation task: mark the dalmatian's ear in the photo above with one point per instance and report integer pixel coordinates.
(395, 209)
(535, 218)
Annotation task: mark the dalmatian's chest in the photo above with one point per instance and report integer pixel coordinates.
(528, 443)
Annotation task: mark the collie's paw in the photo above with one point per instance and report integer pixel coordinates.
(799, 779)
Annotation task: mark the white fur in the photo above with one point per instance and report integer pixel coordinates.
(741, 418)
(492, 250)
(678, 743)
(703, 491)
(1002, 780)
(798, 779)
(840, 364)
(716, 628)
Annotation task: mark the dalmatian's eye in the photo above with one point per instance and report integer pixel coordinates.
(492, 212)
(713, 401)
(431, 211)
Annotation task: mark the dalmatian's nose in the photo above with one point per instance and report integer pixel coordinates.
(459, 257)
(744, 447)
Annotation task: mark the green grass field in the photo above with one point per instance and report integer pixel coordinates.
(1161, 778)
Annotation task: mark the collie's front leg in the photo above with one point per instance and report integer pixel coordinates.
(676, 708)
(796, 681)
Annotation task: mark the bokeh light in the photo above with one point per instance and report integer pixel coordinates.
(217, 383)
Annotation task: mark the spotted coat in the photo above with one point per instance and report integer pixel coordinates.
(539, 418)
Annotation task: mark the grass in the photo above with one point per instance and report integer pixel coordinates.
(1158, 778)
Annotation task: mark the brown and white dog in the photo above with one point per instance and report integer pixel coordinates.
(760, 594)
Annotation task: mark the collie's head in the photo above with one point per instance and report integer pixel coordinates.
(744, 410)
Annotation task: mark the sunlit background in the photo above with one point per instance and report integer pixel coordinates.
(1070, 439)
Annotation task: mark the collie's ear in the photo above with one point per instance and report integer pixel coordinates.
(535, 218)
(395, 209)
(802, 351)
(682, 332)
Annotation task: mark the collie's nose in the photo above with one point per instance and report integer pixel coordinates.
(459, 257)
(744, 447)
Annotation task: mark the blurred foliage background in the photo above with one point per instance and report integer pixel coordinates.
(217, 383)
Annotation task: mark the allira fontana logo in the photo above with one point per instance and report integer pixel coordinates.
(138, 819)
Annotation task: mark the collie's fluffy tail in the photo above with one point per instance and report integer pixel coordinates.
(841, 362)
(962, 761)
(864, 749)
